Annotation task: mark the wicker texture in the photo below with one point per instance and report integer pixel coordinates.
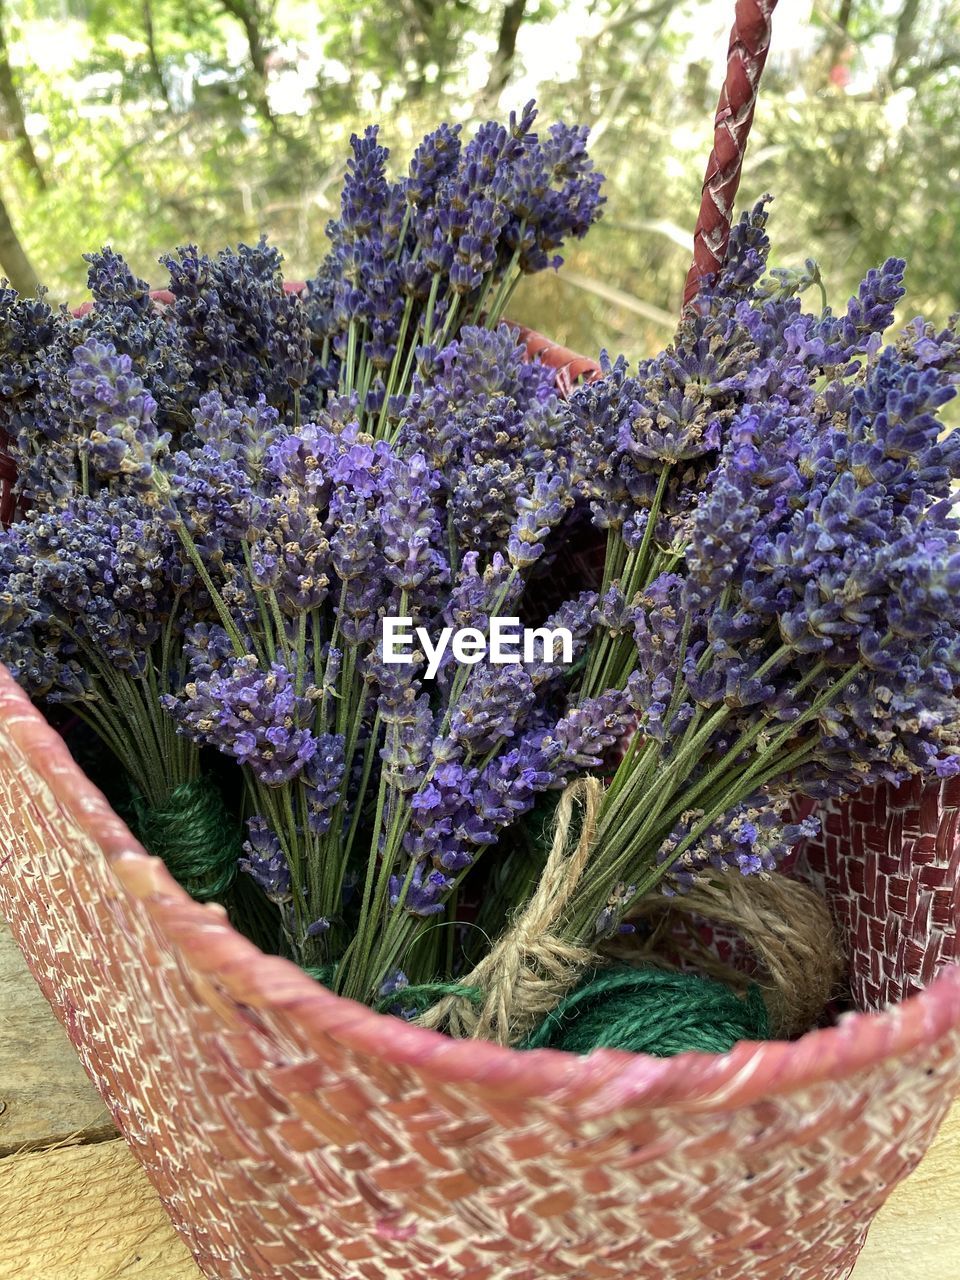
(889, 861)
(294, 1134)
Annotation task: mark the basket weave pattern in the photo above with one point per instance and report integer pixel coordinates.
(294, 1134)
(889, 863)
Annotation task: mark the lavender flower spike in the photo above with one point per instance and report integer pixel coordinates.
(123, 438)
(253, 715)
(265, 863)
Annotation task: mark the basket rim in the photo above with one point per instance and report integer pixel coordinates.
(606, 1080)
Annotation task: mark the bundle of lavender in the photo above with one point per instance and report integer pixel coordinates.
(304, 563)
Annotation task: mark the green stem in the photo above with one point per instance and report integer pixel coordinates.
(283, 642)
(428, 317)
(622, 840)
(477, 315)
(300, 677)
(499, 308)
(270, 651)
(216, 599)
(347, 369)
(398, 358)
(449, 322)
(507, 283)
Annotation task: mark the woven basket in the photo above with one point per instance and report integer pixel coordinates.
(294, 1135)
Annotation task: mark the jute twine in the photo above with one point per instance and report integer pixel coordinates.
(785, 924)
(530, 969)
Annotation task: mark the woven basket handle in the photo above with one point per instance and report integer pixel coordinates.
(749, 44)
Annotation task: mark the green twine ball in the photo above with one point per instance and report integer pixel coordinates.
(653, 1011)
(194, 834)
(323, 973)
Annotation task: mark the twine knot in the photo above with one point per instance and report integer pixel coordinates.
(531, 968)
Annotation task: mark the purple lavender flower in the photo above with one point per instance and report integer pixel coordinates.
(411, 530)
(434, 160)
(404, 255)
(212, 495)
(553, 192)
(494, 701)
(265, 863)
(207, 648)
(98, 569)
(291, 554)
(410, 728)
(476, 595)
(319, 457)
(34, 645)
(322, 778)
(123, 438)
(751, 839)
(255, 716)
(587, 733)
(929, 349)
(365, 188)
(868, 315)
(357, 560)
(576, 616)
(537, 514)
(245, 335)
(746, 258)
(425, 892)
(239, 430)
(38, 407)
(597, 413)
(510, 784)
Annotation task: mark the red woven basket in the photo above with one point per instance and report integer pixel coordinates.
(294, 1135)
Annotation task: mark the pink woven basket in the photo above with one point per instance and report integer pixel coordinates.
(294, 1135)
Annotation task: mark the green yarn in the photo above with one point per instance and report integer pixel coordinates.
(194, 834)
(417, 999)
(653, 1011)
(324, 973)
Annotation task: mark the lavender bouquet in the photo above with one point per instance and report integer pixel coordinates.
(777, 612)
(228, 493)
(272, 541)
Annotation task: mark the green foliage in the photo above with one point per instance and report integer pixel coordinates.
(167, 121)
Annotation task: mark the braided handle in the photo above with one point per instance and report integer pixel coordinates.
(749, 45)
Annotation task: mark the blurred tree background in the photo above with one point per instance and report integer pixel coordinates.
(151, 123)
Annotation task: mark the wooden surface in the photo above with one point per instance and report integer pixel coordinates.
(86, 1212)
(45, 1096)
